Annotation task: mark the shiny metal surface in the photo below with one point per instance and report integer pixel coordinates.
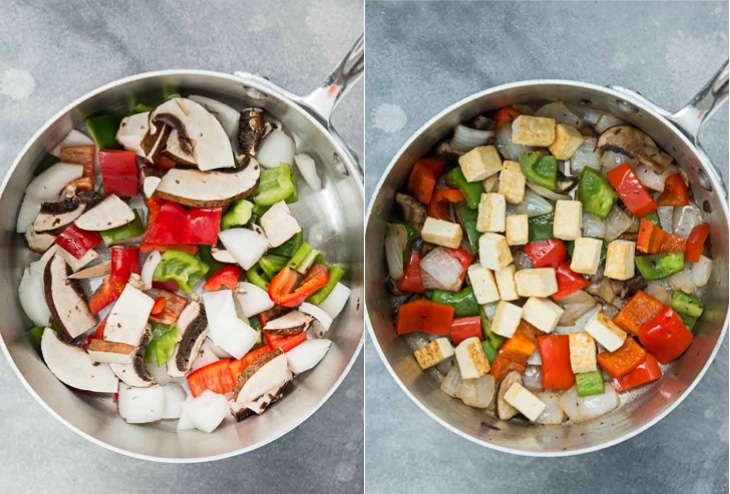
(332, 221)
(640, 410)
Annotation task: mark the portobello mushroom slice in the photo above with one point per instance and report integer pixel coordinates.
(95, 271)
(132, 131)
(220, 254)
(193, 327)
(208, 189)
(504, 410)
(111, 212)
(77, 264)
(110, 352)
(565, 183)
(54, 215)
(154, 142)
(293, 322)
(39, 242)
(635, 144)
(251, 130)
(260, 384)
(74, 367)
(65, 299)
(135, 374)
(413, 211)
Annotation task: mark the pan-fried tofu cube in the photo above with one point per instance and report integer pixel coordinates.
(434, 353)
(492, 213)
(542, 313)
(494, 252)
(523, 400)
(566, 143)
(505, 279)
(517, 229)
(482, 281)
(442, 232)
(620, 260)
(480, 163)
(473, 362)
(582, 352)
(506, 319)
(605, 331)
(539, 282)
(586, 255)
(568, 220)
(512, 182)
(533, 131)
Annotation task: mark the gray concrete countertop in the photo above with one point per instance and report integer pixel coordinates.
(53, 52)
(424, 56)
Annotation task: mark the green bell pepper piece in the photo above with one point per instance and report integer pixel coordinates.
(495, 340)
(290, 247)
(179, 266)
(162, 343)
(468, 219)
(214, 265)
(256, 276)
(256, 324)
(303, 258)
(272, 264)
(237, 215)
(141, 108)
(489, 351)
(36, 334)
(688, 305)
(131, 230)
(464, 303)
(540, 227)
(688, 321)
(654, 218)
(472, 190)
(103, 130)
(275, 185)
(590, 383)
(658, 266)
(336, 273)
(540, 169)
(595, 193)
(294, 197)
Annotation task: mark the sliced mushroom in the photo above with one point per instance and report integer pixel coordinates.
(602, 290)
(505, 411)
(222, 255)
(95, 271)
(260, 384)
(110, 352)
(136, 373)
(54, 215)
(65, 299)
(77, 264)
(132, 131)
(293, 322)
(413, 211)
(635, 144)
(565, 183)
(39, 242)
(73, 366)
(208, 190)
(629, 287)
(110, 213)
(153, 143)
(193, 327)
(251, 130)
(198, 138)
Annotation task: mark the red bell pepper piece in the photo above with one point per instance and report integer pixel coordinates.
(568, 281)
(505, 116)
(148, 246)
(238, 366)
(99, 333)
(647, 371)
(666, 337)
(441, 198)
(654, 240)
(411, 280)
(631, 190)
(203, 225)
(675, 192)
(522, 344)
(547, 253)
(170, 286)
(169, 225)
(227, 276)
(158, 306)
(76, 241)
(696, 242)
(641, 308)
(285, 343)
(164, 162)
(464, 258)
(282, 291)
(107, 294)
(555, 354)
(215, 376)
(466, 327)
(80, 155)
(171, 309)
(422, 179)
(502, 365)
(125, 261)
(425, 315)
(119, 172)
(623, 360)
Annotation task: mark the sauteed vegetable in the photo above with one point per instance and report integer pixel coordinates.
(545, 261)
(173, 272)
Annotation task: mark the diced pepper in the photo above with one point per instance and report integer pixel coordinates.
(686, 304)
(471, 191)
(207, 258)
(227, 277)
(631, 190)
(76, 241)
(658, 266)
(158, 306)
(654, 218)
(464, 302)
(288, 248)
(505, 116)
(595, 193)
(336, 274)
(162, 343)
(99, 332)
(124, 232)
(411, 280)
(169, 286)
(646, 372)
(189, 249)
(675, 192)
(539, 169)
(441, 199)
(107, 294)
(522, 344)
(275, 185)
(282, 289)
(696, 242)
(502, 365)
(164, 162)
(641, 308)
(125, 261)
(422, 179)
(493, 338)
(203, 225)
(466, 327)
(489, 350)
(103, 130)
(665, 336)
(568, 281)
(589, 383)
(653, 240)
(547, 253)
(182, 268)
(294, 196)
(688, 321)
(624, 360)
(172, 224)
(555, 355)
(36, 334)
(119, 172)
(468, 219)
(257, 276)
(81, 155)
(172, 308)
(215, 376)
(272, 264)
(141, 108)
(540, 227)
(426, 316)
(285, 343)
(302, 259)
(238, 366)
(238, 214)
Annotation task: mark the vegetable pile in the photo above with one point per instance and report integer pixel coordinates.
(549, 260)
(173, 272)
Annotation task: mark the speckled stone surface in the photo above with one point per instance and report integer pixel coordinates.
(53, 52)
(424, 56)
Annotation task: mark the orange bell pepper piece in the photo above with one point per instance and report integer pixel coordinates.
(654, 240)
(675, 192)
(425, 315)
(641, 308)
(422, 179)
(696, 242)
(623, 360)
(439, 206)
